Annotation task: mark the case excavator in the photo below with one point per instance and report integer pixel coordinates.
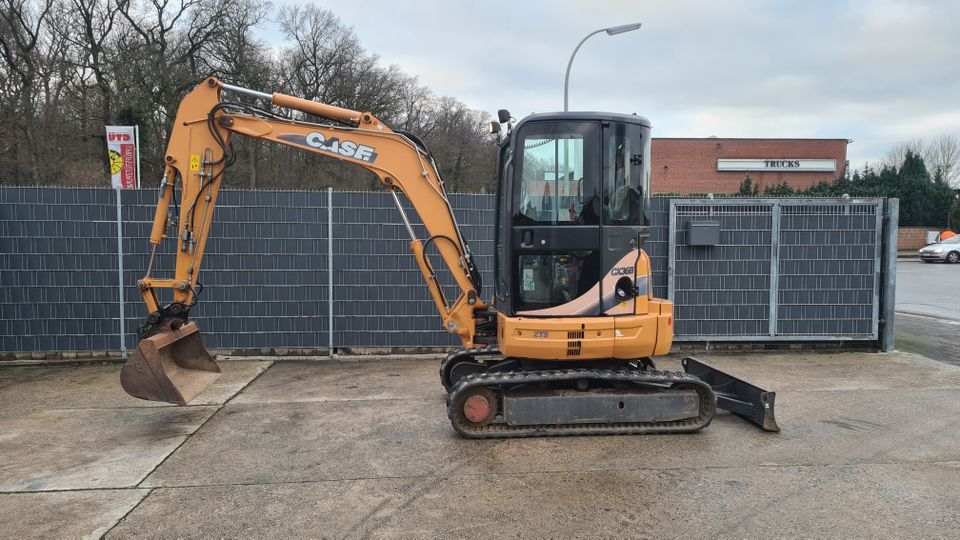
(564, 344)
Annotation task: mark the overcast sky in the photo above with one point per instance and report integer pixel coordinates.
(873, 71)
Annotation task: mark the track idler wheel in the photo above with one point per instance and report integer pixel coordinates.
(476, 407)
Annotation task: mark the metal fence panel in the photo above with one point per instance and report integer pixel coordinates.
(829, 263)
(816, 263)
(784, 270)
(722, 291)
(380, 299)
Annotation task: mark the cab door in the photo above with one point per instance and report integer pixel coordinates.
(625, 191)
(555, 224)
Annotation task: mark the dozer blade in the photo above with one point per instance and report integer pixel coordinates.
(172, 366)
(736, 395)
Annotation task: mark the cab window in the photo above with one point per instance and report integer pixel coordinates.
(557, 184)
(626, 177)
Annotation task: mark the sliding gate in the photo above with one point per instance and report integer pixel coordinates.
(776, 269)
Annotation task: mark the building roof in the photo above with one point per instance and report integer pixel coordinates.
(716, 138)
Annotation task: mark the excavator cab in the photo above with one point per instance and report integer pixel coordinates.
(572, 207)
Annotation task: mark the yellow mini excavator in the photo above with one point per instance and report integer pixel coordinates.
(564, 344)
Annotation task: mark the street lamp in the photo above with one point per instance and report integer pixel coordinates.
(612, 31)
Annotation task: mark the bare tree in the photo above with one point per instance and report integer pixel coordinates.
(943, 155)
(21, 32)
(68, 67)
(895, 156)
(95, 21)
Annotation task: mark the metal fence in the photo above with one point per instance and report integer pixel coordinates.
(784, 269)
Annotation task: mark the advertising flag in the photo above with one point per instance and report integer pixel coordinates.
(124, 152)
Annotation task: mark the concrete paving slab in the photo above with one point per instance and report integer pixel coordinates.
(345, 380)
(90, 448)
(307, 441)
(85, 387)
(419, 379)
(65, 514)
(834, 502)
(937, 339)
(360, 449)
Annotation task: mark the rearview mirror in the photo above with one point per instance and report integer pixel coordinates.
(503, 115)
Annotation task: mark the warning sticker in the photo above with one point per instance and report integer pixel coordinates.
(528, 283)
(194, 162)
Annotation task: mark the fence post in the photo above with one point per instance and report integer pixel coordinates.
(123, 337)
(330, 349)
(888, 297)
(774, 267)
(671, 255)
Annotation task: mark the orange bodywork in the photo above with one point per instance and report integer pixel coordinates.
(647, 331)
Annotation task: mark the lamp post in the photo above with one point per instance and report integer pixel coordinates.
(612, 31)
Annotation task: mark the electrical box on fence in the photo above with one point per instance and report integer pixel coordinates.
(703, 233)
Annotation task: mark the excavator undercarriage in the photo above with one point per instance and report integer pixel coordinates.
(490, 396)
(563, 346)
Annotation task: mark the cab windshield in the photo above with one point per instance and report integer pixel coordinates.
(557, 183)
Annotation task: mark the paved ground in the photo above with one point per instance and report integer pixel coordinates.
(356, 449)
(928, 289)
(869, 448)
(928, 310)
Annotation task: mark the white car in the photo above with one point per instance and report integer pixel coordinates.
(947, 250)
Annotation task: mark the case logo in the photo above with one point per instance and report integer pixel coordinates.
(333, 145)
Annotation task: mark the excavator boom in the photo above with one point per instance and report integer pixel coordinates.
(171, 364)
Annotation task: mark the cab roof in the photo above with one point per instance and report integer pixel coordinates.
(585, 115)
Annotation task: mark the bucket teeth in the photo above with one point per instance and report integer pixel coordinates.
(172, 366)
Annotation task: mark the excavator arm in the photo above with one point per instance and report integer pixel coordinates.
(170, 355)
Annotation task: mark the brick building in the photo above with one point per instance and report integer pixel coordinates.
(718, 165)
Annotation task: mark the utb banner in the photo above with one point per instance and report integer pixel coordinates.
(123, 147)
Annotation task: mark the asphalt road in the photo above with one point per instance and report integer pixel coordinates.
(928, 310)
(929, 289)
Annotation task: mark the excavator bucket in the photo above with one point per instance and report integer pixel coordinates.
(736, 395)
(172, 366)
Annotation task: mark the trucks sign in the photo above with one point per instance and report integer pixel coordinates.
(778, 164)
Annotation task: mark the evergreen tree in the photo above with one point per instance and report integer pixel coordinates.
(780, 190)
(924, 200)
(748, 188)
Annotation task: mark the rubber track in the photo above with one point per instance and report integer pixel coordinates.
(496, 380)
